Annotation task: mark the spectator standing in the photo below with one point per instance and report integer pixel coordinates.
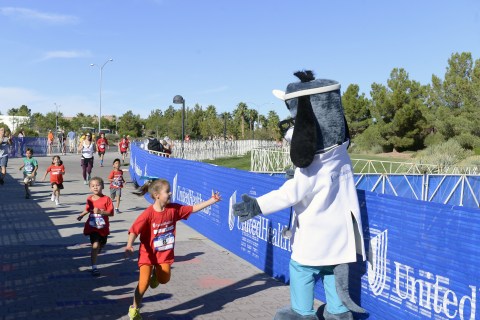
(50, 138)
(71, 140)
(21, 141)
(152, 143)
(5, 143)
(167, 146)
(61, 142)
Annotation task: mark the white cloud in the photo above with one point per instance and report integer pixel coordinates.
(66, 54)
(32, 15)
(14, 97)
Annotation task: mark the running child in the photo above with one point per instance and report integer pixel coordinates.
(123, 146)
(57, 170)
(102, 143)
(99, 208)
(156, 227)
(30, 167)
(116, 183)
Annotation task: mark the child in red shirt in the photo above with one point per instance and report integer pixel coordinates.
(116, 183)
(99, 207)
(57, 170)
(123, 146)
(102, 143)
(156, 227)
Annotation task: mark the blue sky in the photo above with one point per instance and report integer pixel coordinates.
(215, 52)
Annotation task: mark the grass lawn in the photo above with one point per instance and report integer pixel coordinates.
(242, 163)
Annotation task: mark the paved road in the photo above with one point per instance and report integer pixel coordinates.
(44, 262)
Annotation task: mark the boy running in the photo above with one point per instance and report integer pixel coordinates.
(30, 167)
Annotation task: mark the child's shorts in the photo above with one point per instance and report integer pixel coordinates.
(115, 192)
(59, 185)
(95, 237)
(3, 161)
(28, 179)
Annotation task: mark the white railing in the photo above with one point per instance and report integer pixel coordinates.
(214, 149)
(276, 160)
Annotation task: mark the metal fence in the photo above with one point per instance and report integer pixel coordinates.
(214, 149)
(276, 160)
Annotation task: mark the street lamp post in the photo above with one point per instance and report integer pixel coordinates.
(101, 76)
(179, 100)
(56, 118)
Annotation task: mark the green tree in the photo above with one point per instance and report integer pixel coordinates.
(23, 111)
(397, 110)
(272, 126)
(130, 124)
(82, 120)
(240, 114)
(356, 109)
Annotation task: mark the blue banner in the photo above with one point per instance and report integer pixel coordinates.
(422, 256)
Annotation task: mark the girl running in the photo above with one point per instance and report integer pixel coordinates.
(156, 227)
(57, 170)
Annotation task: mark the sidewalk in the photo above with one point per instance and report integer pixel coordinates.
(45, 261)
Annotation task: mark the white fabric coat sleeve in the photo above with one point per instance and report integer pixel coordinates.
(289, 194)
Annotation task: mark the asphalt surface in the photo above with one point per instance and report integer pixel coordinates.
(45, 261)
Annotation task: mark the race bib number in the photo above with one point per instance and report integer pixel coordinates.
(28, 168)
(164, 242)
(124, 146)
(96, 221)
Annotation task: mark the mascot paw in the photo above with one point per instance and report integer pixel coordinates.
(247, 209)
(339, 316)
(288, 314)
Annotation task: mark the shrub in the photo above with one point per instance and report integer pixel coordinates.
(434, 138)
(444, 154)
(468, 141)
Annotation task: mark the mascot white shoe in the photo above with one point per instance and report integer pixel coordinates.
(327, 229)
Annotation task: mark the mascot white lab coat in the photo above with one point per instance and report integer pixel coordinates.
(327, 230)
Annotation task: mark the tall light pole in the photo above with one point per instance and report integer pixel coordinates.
(56, 118)
(101, 76)
(179, 100)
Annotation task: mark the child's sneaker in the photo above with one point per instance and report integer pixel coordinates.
(57, 202)
(134, 313)
(53, 197)
(85, 182)
(27, 195)
(153, 280)
(117, 210)
(95, 272)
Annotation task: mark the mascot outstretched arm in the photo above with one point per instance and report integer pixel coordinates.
(327, 229)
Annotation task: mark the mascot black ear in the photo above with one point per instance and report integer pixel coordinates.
(304, 139)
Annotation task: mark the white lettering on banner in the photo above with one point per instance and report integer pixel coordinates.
(137, 169)
(259, 227)
(187, 196)
(444, 300)
(426, 293)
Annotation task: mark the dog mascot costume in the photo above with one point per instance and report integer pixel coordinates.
(326, 230)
